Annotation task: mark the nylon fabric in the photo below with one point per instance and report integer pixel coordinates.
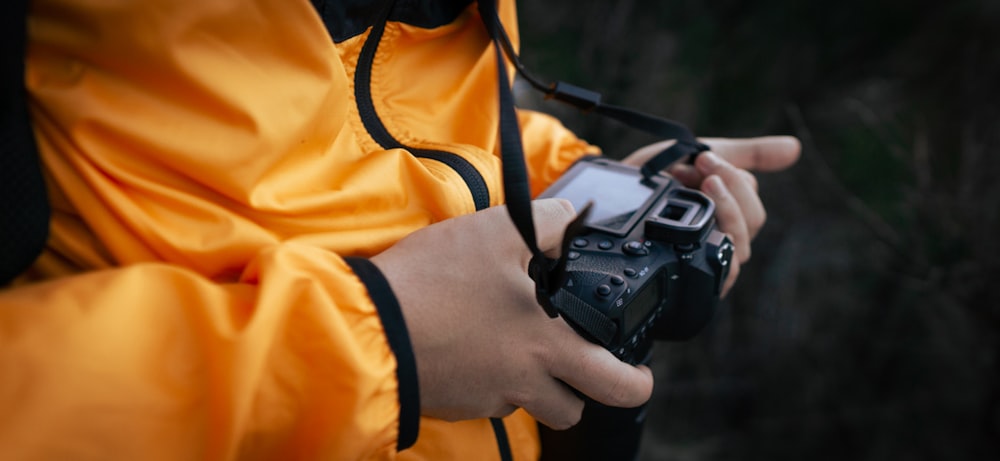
(205, 183)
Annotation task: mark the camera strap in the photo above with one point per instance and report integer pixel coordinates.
(24, 208)
(589, 101)
(550, 274)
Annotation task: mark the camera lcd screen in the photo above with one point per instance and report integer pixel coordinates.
(644, 302)
(616, 196)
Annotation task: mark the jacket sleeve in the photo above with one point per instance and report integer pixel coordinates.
(549, 148)
(305, 357)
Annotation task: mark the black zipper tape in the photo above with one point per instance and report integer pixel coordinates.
(373, 124)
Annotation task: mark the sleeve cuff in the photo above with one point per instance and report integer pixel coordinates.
(399, 341)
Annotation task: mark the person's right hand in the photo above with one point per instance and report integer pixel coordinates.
(483, 345)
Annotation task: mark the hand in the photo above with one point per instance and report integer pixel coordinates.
(483, 345)
(724, 176)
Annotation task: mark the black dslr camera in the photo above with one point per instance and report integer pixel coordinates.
(650, 263)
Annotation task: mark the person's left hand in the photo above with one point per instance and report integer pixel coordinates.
(724, 175)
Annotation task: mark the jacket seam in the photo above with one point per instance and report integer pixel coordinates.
(398, 337)
(372, 121)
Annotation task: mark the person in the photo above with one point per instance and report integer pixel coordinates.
(278, 232)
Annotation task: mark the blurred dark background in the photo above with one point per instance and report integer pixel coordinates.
(866, 325)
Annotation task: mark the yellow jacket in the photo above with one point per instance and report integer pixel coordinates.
(219, 171)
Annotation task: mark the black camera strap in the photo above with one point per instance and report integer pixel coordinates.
(590, 102)
(24, 205)
(550, 274)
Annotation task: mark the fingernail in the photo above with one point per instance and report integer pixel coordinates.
(707, 162)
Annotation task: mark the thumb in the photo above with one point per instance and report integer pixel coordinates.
(552, 215)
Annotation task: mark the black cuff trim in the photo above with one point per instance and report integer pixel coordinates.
(503, 442)
(399, 341)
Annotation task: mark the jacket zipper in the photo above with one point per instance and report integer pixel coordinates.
(369, 117)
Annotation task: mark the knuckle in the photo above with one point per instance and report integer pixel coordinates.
(521, 399)
(574, 416)
(758, 223)
(571, 417)
(558, 207)
(751, 180)
(504, 411)
(616, 394)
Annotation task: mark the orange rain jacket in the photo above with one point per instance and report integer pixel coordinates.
(219, 171)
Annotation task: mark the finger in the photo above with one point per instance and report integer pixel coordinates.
(729, 215)
(551, 402)
(741, 185)
(767, 153)
(750, 180)
(597, 373)
(688, 175)
(734, 273)
(551, 217)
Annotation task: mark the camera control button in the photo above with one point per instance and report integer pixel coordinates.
(605, 244)
(629, 272)
(573, 255)
(581, 243)
(635, 248)
(684, 247)
(725, 254)
(616, 280)
(603, 290)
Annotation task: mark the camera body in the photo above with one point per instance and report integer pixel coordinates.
(651, 263)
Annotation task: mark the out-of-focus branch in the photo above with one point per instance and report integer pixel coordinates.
(882, 230)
